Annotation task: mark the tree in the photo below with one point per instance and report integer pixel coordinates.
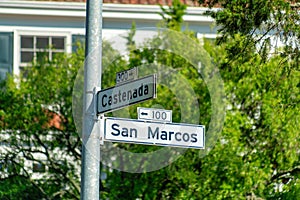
(38, 129)
(173, 15)
(265, 25)
(260, 42)
(257, 156)
(165, 183)
(40, 145)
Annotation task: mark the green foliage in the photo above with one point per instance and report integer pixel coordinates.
(37, 127)
(173, 15)
(262, 120)
(256, 157)
(262, 86)
(258, 22)
(162, 184)
(18, 187)
(258, 150)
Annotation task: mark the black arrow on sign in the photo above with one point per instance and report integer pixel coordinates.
(143, 113)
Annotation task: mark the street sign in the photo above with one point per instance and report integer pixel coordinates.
(127, 75)
(154, 133)
(126, 94)
(154, 114)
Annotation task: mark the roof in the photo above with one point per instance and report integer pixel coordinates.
(139, 2)
(56, 8)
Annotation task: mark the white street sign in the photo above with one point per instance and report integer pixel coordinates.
(154, 114)
(154, 133)
(127, 75)
(126, 94)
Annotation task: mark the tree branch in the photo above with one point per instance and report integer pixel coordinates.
(282, 174)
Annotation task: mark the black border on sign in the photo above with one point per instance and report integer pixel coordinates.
(131, 103)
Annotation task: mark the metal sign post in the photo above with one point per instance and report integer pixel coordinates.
(90, 169)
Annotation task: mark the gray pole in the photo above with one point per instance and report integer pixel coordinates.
(90, 169)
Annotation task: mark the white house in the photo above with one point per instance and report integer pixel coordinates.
(29, 27)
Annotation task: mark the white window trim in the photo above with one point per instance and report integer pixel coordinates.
(33, 32)
(201, 36)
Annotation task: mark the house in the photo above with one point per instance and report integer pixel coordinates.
(30, 27)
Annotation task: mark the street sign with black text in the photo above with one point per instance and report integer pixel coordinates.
(154, 133)
(154, 114)
(126, 94)
(127, 75)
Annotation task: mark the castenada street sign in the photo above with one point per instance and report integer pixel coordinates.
(126, 94)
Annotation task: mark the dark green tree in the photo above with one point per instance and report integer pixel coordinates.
(40, 153)
(259, 65)
(257, 155)
(262, 24)
(39, 138)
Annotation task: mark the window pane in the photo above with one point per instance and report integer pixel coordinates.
(58, 42)
(38, 167)
(27, 42)
(42, 56)
(26, 56)
(42, 42)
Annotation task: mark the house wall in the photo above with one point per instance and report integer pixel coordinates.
(21, 19)
(65, 19)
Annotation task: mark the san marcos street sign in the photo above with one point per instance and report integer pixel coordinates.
(154, 133)
(126, 94)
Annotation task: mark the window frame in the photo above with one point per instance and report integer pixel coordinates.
(201, 36)
(18, 65)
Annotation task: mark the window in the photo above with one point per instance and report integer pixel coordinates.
(33, 48)
(6, 55)
(38, 167)
(33, 44)
(77, 40)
